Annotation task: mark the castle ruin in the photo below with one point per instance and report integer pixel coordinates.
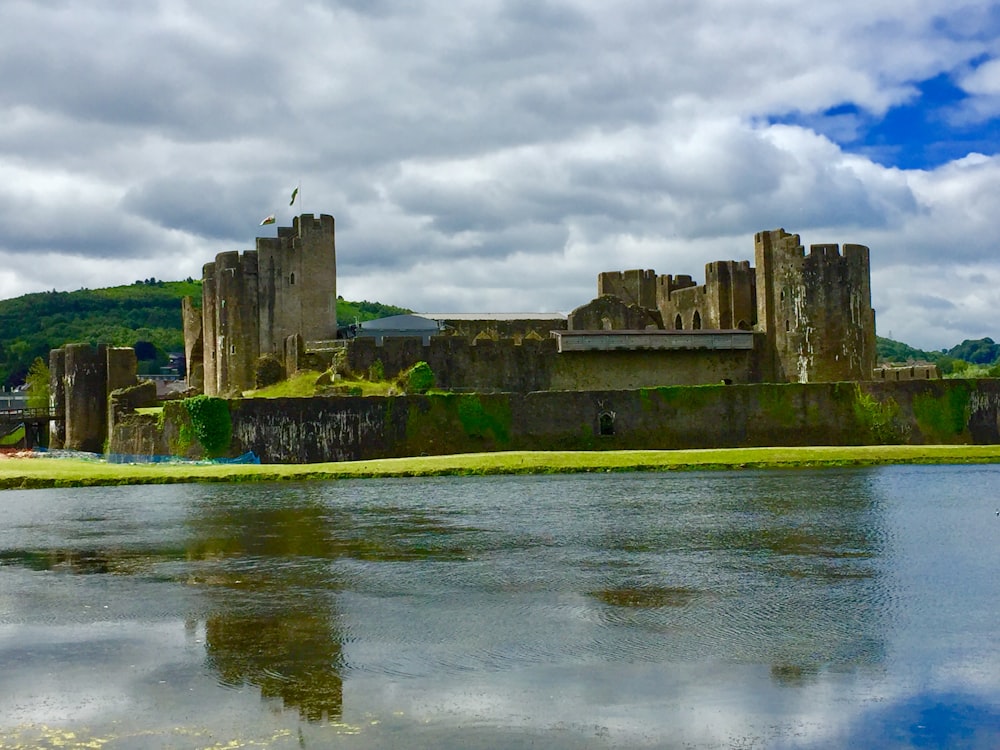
(813, 310)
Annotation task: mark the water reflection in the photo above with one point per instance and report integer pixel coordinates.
(778, 609)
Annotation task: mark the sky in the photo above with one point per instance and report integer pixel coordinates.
(496, 155)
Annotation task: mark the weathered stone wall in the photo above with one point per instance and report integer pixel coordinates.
(816, 308)
(194, 344)
(57, 397)
(611, 313)
(298, 283)
(907, 372)
(537, 365)
(86, 377)
(716, 416)
(726, 301)
(252, 302)
(634, 287)
(123, 401)
(513, 328)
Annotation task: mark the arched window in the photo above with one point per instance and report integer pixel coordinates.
(606, 423)
(696, 321)
(291, 278)
(678, 323)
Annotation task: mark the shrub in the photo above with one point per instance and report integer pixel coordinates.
(267, 371)
(417, 379)
(211, 422)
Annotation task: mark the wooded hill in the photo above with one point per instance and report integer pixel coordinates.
(147, 313)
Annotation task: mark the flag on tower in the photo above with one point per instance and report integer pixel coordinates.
(269, 220)
(295, 194)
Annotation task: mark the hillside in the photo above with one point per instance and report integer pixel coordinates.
(146, 311)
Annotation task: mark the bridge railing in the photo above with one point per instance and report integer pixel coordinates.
(19, 415)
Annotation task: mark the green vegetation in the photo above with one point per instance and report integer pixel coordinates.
(486, 420)
(30, 473)
(358, 312)
(879, 418)
(973, 358)
(419, 378)
(942, 417)
(211, 421)
(147, 311)
(38, 384)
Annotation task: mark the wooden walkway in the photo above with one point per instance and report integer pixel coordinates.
(16, 416)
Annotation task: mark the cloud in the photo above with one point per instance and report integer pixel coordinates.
(526, 146)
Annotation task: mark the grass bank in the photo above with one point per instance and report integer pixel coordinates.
(28, 473)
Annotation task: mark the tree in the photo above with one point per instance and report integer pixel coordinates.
(37, 381)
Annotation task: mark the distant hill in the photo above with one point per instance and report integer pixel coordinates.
(146, 313)
(896, 351)
(973, 351)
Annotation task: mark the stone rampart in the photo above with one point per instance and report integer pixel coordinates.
(716, 416)
(531, 365)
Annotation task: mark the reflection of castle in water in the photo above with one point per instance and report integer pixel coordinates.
(272, 624)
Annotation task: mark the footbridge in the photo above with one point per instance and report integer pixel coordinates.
(35, 422)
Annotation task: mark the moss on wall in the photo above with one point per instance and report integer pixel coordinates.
(781, 402)
(941, 417)
(688, 396)
(491, 419)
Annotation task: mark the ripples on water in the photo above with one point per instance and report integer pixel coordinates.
(297, 588)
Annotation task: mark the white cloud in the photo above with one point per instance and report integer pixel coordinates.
(505, 152)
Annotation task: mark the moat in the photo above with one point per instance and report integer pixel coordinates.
(779, 609)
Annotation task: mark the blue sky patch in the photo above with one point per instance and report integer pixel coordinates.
(924, 133)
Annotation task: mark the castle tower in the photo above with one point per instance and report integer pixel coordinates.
(298, 283)
(251, 302)
(634, 287)
(815, 309)
(731, 291)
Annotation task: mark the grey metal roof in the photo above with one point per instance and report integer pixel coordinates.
(494, 316)
(400, 323)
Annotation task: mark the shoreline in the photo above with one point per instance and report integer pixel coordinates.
(41, 473)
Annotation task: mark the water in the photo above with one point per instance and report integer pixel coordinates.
(784, 609)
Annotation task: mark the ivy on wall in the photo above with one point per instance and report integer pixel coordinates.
(211, 422)
(880, 419)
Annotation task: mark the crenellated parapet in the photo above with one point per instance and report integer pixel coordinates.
(634, 287)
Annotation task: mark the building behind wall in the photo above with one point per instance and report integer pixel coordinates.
(252, 302)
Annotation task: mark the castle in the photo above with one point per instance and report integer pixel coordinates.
(793, 317)
(813, 310)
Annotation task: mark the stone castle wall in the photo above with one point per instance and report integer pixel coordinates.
(815, 308)
(80, 379)
(533, 365)
(717, 416)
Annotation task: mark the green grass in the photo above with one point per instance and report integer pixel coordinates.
(26, 473)
(303, 385)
